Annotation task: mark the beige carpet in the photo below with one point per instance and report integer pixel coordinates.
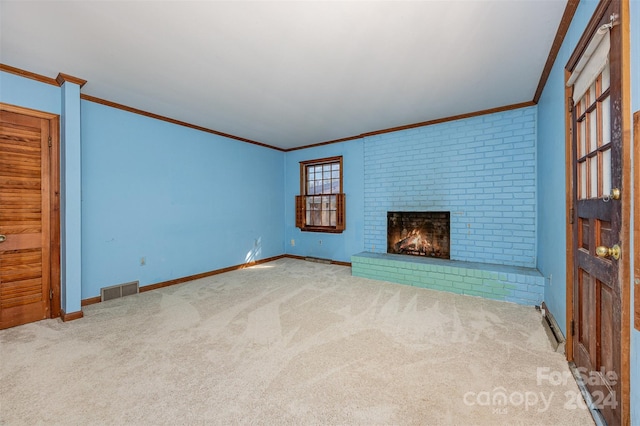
(288, 342)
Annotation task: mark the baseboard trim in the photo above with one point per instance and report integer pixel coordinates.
(294, 256)
(90, 301)
(333, 262)
(66, 317)
(94, 300)
(207, 274)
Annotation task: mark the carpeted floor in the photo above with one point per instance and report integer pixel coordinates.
(288, 342)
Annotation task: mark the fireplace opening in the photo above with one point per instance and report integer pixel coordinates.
(419, 233)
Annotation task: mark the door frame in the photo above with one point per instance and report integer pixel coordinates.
(54, 199)
(624, 276)
(636, 220)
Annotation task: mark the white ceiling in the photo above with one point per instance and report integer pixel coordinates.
(292, 73)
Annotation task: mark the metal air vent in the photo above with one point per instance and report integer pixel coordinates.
(118, 291)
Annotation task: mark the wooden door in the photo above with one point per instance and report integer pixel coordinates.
(597, 174)
(26, 287)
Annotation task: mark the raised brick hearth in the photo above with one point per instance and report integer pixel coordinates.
(508, 283)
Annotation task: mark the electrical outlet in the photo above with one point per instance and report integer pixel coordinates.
(143, 261)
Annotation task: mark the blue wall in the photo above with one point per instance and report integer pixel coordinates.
(184, 200)
(338, 247)
(552, 215)
(20, 91)
(481, 169)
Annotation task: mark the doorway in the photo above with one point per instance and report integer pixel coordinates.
(29, 216)
(598, 204)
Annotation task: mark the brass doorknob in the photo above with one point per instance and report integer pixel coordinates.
(614, 252)
(615, 194)
(3, 238)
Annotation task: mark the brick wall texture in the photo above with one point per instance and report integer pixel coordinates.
(481, 169)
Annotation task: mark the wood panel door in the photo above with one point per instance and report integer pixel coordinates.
(597, 176)
(26, 287)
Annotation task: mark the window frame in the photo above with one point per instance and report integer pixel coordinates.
(301, 203)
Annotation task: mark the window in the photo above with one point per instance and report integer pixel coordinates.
(590, 78)
(593, 137)
(320, 207)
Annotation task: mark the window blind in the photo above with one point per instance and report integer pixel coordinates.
(591, 64)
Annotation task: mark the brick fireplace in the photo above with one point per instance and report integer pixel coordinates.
(482, 172)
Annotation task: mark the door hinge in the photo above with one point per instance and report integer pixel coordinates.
(49, 141)
(50, 294)
(571, 213)
(573, 328)
(570, 103)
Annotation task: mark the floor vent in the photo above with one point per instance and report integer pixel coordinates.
(118, 291)
(318, 260)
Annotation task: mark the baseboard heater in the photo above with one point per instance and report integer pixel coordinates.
(317, 260)
(120, 290)
(553, 330)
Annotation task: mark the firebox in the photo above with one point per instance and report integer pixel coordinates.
(419, 233)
